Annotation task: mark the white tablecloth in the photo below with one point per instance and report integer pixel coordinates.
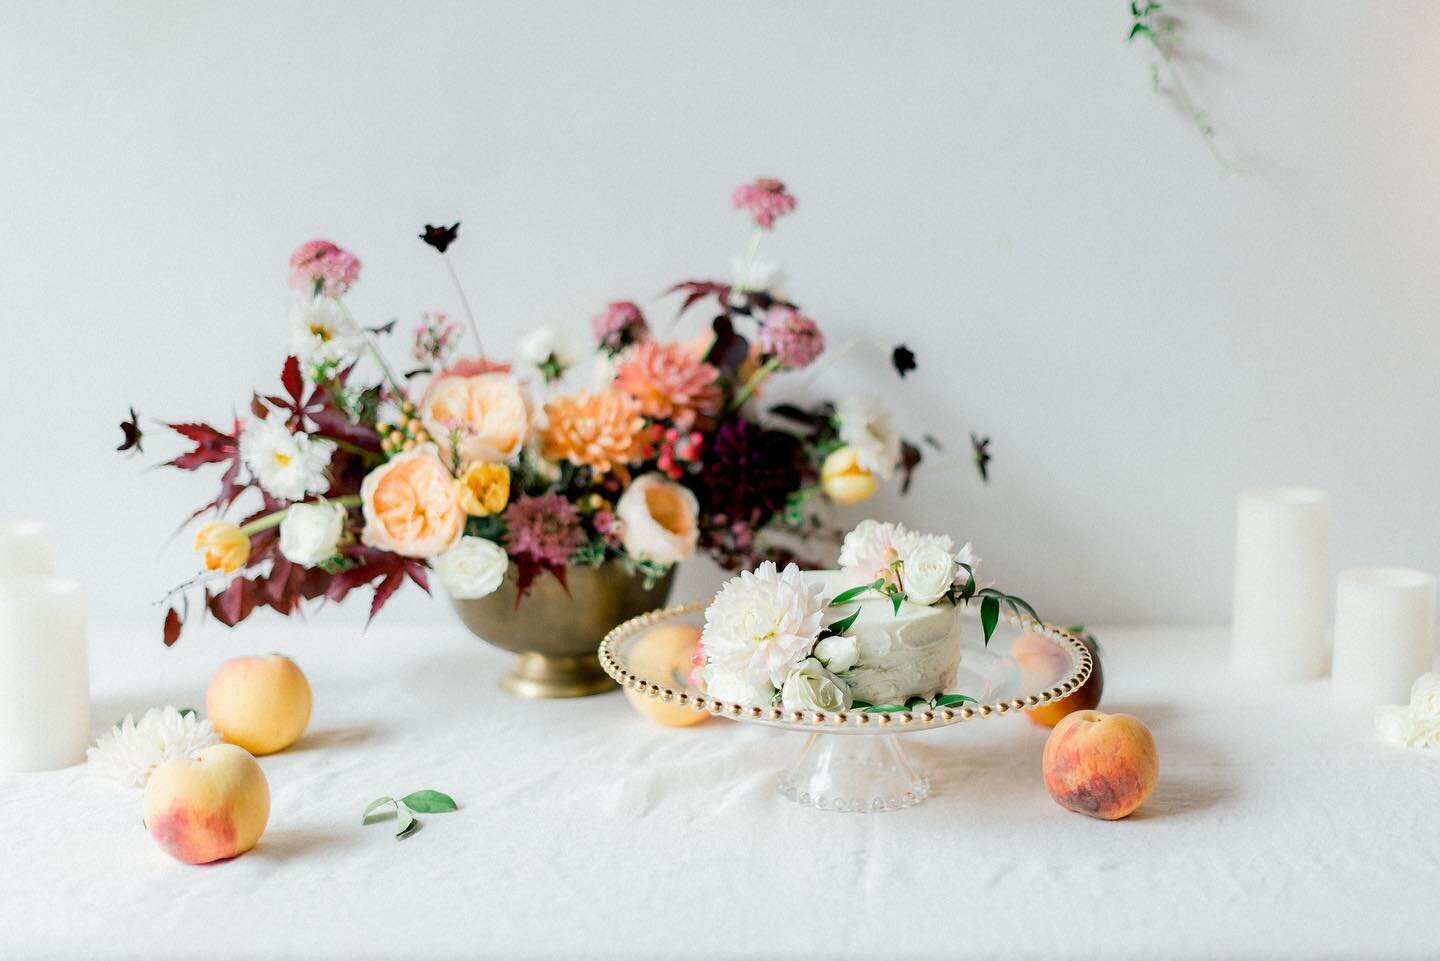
(1280, 827)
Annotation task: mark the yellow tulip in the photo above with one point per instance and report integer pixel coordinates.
(225, 546)
(485, 489)
(844, 480)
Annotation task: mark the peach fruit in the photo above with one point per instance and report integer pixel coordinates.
(260, 703)
(664, 656)
(207, 807)
(1039, 656)
(1103, 765)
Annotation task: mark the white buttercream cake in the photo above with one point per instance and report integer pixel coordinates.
(910, 653)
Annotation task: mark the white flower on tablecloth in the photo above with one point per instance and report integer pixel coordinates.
(1425, 696)
(865, 425)
(810, 687)
(927, 573)
(838, 653)
(322, 330)
(761, 625)
(130, 750)
(287, 465)
(309, 533)
(472, 568)
(1398, 724)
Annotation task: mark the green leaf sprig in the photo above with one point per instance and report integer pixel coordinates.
(942, 700)
(417, 802)
(991, 600)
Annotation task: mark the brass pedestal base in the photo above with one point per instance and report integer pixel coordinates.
(548, 675)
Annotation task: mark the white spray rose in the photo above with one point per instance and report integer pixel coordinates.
(309, 533)
(927, 573)
(810, 687)
(472, 568)
(838, 653)
(752, 691)
(1425, 696)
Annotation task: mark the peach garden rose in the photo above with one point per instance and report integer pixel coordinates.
(412, 505)
(486, 414)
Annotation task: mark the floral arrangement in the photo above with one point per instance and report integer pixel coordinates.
(475, 467)
(765, 638)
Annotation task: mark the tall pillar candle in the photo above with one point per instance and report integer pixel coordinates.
(1282, 561)
(24, 548)
(44, 674)
(1384, 633)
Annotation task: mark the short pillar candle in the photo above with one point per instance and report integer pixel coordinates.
(44, 674)
(1384, 633)
(1282, 576)
(25, 549)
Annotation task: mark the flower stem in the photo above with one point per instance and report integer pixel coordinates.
(756, 236)
(756, 379)
(273, 520)
(465, 303)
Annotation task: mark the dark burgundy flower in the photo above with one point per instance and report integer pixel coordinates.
(441, 237)
(749, 474)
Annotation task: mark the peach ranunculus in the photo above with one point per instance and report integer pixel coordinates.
(598, 430)
(412, 505)
(225, 546)
(659, 519)
(669, 381)
(484, 489)
(486, 414)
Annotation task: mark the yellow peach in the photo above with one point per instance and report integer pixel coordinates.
(260, 703)
(1103, 765)
(664, 656)
(208, 807)
(1039, 657)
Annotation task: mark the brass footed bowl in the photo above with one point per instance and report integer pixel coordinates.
(555, 632)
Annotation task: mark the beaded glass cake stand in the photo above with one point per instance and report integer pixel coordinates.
(853, 760)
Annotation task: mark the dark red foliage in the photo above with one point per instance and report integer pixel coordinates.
(172, 626)
(698, 290)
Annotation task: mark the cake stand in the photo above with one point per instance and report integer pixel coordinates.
(853, 760)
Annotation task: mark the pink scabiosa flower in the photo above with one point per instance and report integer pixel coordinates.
(619, 325)
(436, 337)
(670, 381)
(320, 267)
(765, 198)
(790, 337)
(543, 530)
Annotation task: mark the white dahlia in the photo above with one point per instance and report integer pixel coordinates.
(322, 330)
(287, 465)
(865, 425)
(760, 625)
(130, 750)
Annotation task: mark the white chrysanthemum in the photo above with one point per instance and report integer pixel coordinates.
(322, 330)
(129, 751)
(759, 626)
(287, 465)
(865, 425)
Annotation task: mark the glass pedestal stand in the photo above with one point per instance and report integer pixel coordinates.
(858, 775)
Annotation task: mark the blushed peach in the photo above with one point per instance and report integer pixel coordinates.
(208, 807)
(664, 656)
(1038, 656)
(260, 703)
(1103, 765)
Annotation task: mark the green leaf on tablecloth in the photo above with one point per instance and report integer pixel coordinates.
(989, 616)
(404, 821)
(429, 802)
(854, 592)
(374, 806)
(945, 700)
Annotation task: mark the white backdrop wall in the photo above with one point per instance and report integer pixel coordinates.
(995, 184)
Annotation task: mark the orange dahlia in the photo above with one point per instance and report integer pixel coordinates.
(598, 430)
(669, 381)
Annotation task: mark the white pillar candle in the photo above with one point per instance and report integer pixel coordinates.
(44, 674)
(1384, 633)
(24, 548)
(1282, 560)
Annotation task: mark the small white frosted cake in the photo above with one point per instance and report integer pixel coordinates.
(912, 653)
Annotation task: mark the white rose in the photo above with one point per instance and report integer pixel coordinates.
(927, 573)
(472, 568)
(838, 653)
(809, 687)
(752, 690)
(659, 518)
(309, 532)
(543, 346)
(1425, 696)
(1399, 725)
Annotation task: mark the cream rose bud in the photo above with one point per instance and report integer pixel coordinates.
(472, 568)
(659, 518)
(810, 687)
(838, 653)
(1425, 696)
(926, 573)
(309, 533)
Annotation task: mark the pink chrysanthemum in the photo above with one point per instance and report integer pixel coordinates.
(669, 381)
(319, 267)
(619, 325)
(765, 198)
(790, 337)
(544, 529)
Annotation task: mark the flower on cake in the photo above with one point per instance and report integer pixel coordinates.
(131, 750)
(287, 464)
(865, 427)
(811, 687)
(761, 625)
(838, 652)
(1416, 724)
(472, 568)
